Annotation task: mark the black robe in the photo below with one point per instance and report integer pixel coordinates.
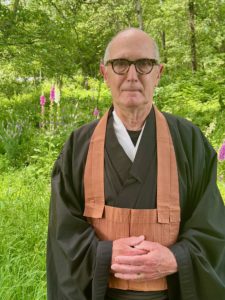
(74, 252)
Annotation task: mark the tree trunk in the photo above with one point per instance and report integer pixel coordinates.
(139, 14)
(165, 59)
(163, 37)
(191, 9)
(15, 7)
(60, 83)
(222, 105)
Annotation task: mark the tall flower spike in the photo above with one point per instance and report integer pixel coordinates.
(222, 151)
(42, 100)
(57, 95)
(52, 94)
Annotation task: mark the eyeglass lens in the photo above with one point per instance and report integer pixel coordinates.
(143, 66)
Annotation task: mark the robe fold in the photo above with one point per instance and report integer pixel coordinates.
(74, 254)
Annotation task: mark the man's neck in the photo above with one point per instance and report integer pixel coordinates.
(133, 119)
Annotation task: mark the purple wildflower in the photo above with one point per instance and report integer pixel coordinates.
(42, 100)
(222, 152)
(96, 112)
(52, 94)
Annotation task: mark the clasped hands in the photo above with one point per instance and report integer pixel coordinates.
(134, 258)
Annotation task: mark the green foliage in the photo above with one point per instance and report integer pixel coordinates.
(221, 186)
(27, 136)
(47, 42)
(19, 120)
(23, 232)
(25, 190)
(60, 38)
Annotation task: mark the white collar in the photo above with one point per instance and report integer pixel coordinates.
(124, 138)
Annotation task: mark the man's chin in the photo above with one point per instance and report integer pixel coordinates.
(133, 102)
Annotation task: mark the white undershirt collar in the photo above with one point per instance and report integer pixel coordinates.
(124, 137)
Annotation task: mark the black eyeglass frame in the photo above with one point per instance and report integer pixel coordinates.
(134, 62)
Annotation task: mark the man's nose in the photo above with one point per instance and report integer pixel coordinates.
(132, 73)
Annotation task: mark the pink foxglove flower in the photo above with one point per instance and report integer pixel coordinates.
(57, 96)
(96, 112)
(52, 94)
(42, 100)
(222, 152)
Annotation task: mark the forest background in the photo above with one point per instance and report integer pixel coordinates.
(52, 49)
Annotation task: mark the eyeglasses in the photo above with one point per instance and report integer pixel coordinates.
(143, 66)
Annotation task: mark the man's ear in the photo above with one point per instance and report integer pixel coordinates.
(161, 68)
(103, 71)
(160, 71)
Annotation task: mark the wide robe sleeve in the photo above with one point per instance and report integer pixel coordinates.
(72, 245)
(200, 249)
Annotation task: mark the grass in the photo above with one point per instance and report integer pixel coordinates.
(24, 201)
(23, 228)
(221, 186)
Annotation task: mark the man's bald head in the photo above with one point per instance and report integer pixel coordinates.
(128, 33)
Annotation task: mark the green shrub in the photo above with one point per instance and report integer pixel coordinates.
(23, 231)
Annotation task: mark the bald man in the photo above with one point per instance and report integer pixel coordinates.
(135, 211)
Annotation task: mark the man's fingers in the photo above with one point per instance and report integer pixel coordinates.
(135, 276)
(136, 260)
(126, 269)
(132, 252)
(129, 251)
(134, 240)
(146, 245)
(126, 247)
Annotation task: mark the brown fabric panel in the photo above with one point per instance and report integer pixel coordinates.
(108, 230)
(174, 193)
(167, 181)
(163, 170)
(110, 223)
(154, 285)
(143, 216)
(174, 215)
(117, 214)
(173, 232)
(113, 225)
(116, 283)
(94, 172)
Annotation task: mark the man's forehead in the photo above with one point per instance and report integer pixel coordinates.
(134, 52)
(132, 43)
(131, 33)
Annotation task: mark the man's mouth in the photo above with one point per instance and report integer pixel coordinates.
(131, 90)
